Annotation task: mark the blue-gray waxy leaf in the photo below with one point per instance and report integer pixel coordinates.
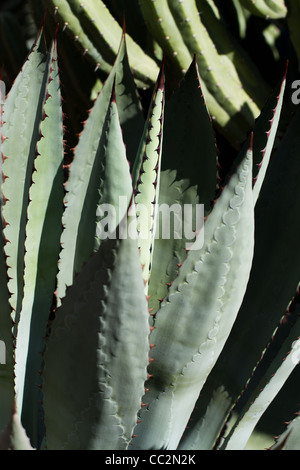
(196, 317)
(97, 356)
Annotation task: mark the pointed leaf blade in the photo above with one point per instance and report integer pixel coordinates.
(273, 380)
(84, 183)
(271, 284)
(188, 177)
(201, 308)
(97, 355)
(264, 135)
(22, 115)
(146, 184)
(42, 245)
(290, 439)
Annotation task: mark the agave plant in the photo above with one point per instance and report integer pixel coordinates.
(234, 88)
(118, 340)
(235, 85)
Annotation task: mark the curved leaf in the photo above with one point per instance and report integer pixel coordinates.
(99, 157)
(97, 355)
(290, 439)
(271, 284)
(196, 317)
(266, 8)
(14, 436)
(42, 247)
(97, 32)
(188, 177)
(146, 177)
(282, 366)
(212, 420)
(22, 116)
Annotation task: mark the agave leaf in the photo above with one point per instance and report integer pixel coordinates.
(6, 343)
(129, 11)
(188, 177)
(218, 406)
(201, 306)
(22, 115)
(14, 436)
(7, 392)
(266, 8)
(180, 31)
(289, 440)
(242, 68)
(111, 177)
(280, 369)
(276, 246)
(97, 355)
(104, 31)
(96, 31)
(62, 12)
(169, 34)
(80, 81)
(293, 22)
(242, 17)
(43, 232)
(219, 73)
(101, 142)
(264, 135)
(128, 101)
(271, 284)
(161, 23)
(146, 177)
